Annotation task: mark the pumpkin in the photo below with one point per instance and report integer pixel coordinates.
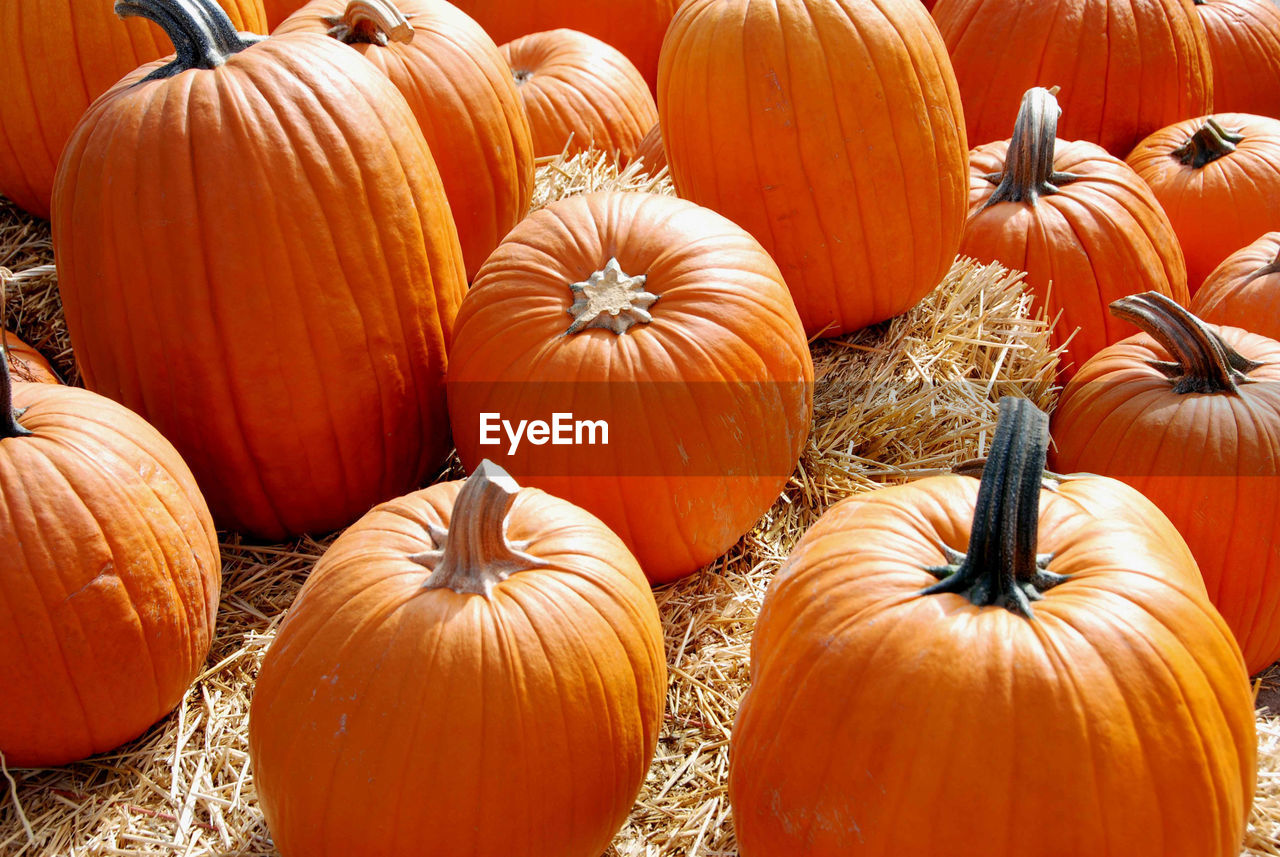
(837, 143)
(111, 568)
(1244, 291)
(261, 262)
(634, 27)
(1080, 222)
(278, 10)
(1187, 414)
(462, 94)
(1151, 68)
(56, 57)
(932, 656)
(26, 363)
(579, 93)
(650, 151)
(664, 338)
(1218, 179)
(1244, 42)
(472, 669)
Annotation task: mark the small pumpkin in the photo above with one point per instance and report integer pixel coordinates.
(1218, 178)
(580, 93)
(650, 151)
(111, 563)
(1079, 221)
(472, 669)
(461, 92)
(933, 655)
(1244, 291)
(1187, 413)
(1244, 43)
(26, 364)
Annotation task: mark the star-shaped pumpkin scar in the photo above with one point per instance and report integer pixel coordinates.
(610, 299)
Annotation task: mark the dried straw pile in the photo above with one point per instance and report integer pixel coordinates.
(902, 400)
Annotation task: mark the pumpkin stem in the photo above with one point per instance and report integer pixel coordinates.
(474, 554)
(610, 299)
(202, 34)
(1028, 166)
(9, 425)
(1210, 142)
(374, 22)
(1202, 361)
(1001, 566)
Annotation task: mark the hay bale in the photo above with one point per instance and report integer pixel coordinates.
(29, 301)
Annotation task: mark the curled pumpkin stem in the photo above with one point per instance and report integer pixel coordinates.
(1028, 167)
(375, 22)
(202, 34)
(1210, 142)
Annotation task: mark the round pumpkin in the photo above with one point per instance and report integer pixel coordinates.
(56, 58)
(1188, 413)
(580, 93)
(650, 151)
(259, 259)
(26, 363)
(111, 570)
(656, 342)
(1079, 221)
(1126, 67)
(462, 94)
(472, 669)
(1218, 179)
(1244, 43)
(839, 144)
(934, 658)
(1244, 291)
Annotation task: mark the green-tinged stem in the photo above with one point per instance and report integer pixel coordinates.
(202, 34)
(9, 425)
(1210, 142)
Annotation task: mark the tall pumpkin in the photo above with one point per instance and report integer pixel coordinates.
(830, 130)
(933, 659)
(110, 572)
(472, 669)
(56, 57)
(1244, 43)
(1244, 291)
(461, 92)
(1080, 222)
(255, 253)
(1126, 67)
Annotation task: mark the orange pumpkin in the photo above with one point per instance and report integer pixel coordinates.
(278, 10)
(576, 87)
(259, 259)
(111, 569)
(650, 151)
(1126, 67)
(665, 338)
(472, 669)
(837, 143)
(1218, 178)
(26, 363)
(1244, 291)
(933, 656)
(1188, 414)
(461, 91)
(56, 57)
(1244, 42)
(1080, 222)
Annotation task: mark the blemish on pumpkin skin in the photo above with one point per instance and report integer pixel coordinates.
(107, 571)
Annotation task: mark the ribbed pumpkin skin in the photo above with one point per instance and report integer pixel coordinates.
(635, 27)
(1151, 69)
(1227, 203)
(1244, 42)
(26, 363)
(1244, 291)
(54, 63)
(830, 130)
(284, 325)
(572, 83)
(871, 708)
(724, 357)
(1095, 240)
(466, 103)
(111, 565)
(278, 10)
(651, 151)
(455, 724)
(1208, 461)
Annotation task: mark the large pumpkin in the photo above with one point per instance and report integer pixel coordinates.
(472, 669)
(1080, 222)
(110, 571)
(664, 338)
(56, 57)
(462, 94)
(1244, 291)
(839, 144)
(936, 660)
(1244, 42)
(259, 259)
(26, 363)
(1218, 178)
(1126, 67)
(1188, 414)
